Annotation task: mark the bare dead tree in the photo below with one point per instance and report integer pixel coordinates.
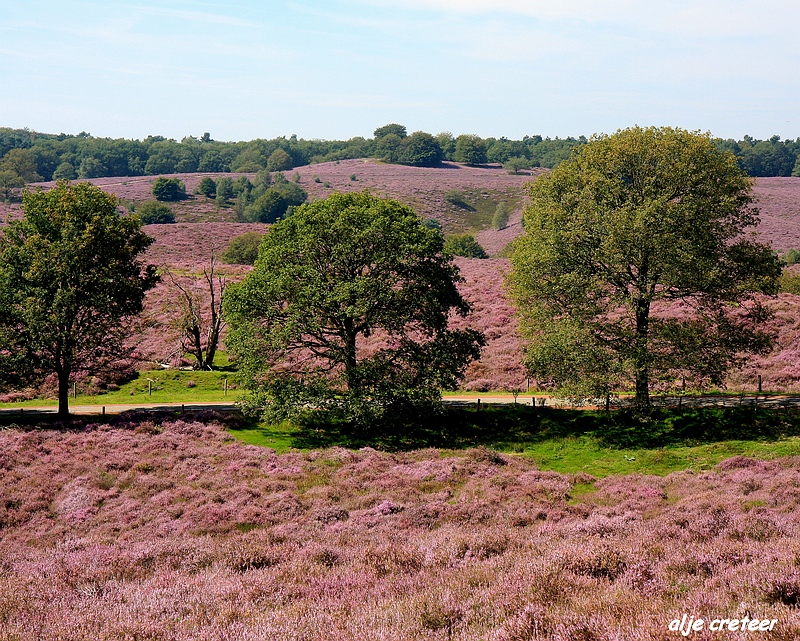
(200, 321)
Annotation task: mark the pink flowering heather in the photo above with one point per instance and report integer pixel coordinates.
(161, 528)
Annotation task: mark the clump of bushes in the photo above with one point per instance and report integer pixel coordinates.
(791, 257)
(464, 245)
(207, 187)
(153, 212)
(169, 189)
(243, 250)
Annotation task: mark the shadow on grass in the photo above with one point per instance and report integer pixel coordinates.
(511, 428)
(507, 428)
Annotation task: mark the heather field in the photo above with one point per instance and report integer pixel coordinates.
(160, 528)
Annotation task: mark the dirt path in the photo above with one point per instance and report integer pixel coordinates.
(459, 400)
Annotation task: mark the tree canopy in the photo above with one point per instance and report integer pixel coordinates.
(169, 189)
(635, 266)
(72, 277)
(328, 278)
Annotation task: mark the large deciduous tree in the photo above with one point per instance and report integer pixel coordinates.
(73, 277)
(348, 309)
(635, 265)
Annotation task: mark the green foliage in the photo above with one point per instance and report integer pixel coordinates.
(267, 208)
(279, 160)
(420, 149)
(9, 181)
(22, 163)
(464, 245)
(432, 223)
(264, 179)
(388, 148)
(470, 150)
(250, 160)
(459, 199)
(500, 218)
(74, 277)
(207, 187)
(791, 257)
(224, 190)
(516, 164)
(243, 250)
(293, 194)
(789, 282)
(796, 170)
(447, 144)
(392, 129)
(65, 171)
(242, 187)
(153, 212)
(332, 274)
(353, 177)
(632, 219)
(169, 189)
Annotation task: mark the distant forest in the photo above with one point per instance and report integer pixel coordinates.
(31, 156)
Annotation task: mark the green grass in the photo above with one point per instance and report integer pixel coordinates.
(566, 441)
(168, 386)
(482, 207)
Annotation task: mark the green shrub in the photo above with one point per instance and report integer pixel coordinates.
(791, 257)
(789, 282)
(280, 160)
(169, 189)
(207, 187)
(224, 190)
(243, 250)
(500, 218)
(433, 223)
(153, 212)
(464, 245)
(353, 177)
(267, 208)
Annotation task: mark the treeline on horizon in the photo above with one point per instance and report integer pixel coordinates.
(32, 156)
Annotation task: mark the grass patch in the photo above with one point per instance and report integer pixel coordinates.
(476, 207)
(566, 441)
(157, 386)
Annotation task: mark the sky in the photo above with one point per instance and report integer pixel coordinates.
(336, 69)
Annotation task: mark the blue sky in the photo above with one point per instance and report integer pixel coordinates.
(242, 70)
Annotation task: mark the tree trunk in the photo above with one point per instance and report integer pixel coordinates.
(63, 391)
(642, 357)
(350, 362)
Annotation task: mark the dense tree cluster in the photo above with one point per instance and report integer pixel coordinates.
(32, 156)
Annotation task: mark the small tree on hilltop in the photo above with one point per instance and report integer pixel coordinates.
(74, 279)
(168, 189)
(334, 273)
(392, 129)
(629, 224)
